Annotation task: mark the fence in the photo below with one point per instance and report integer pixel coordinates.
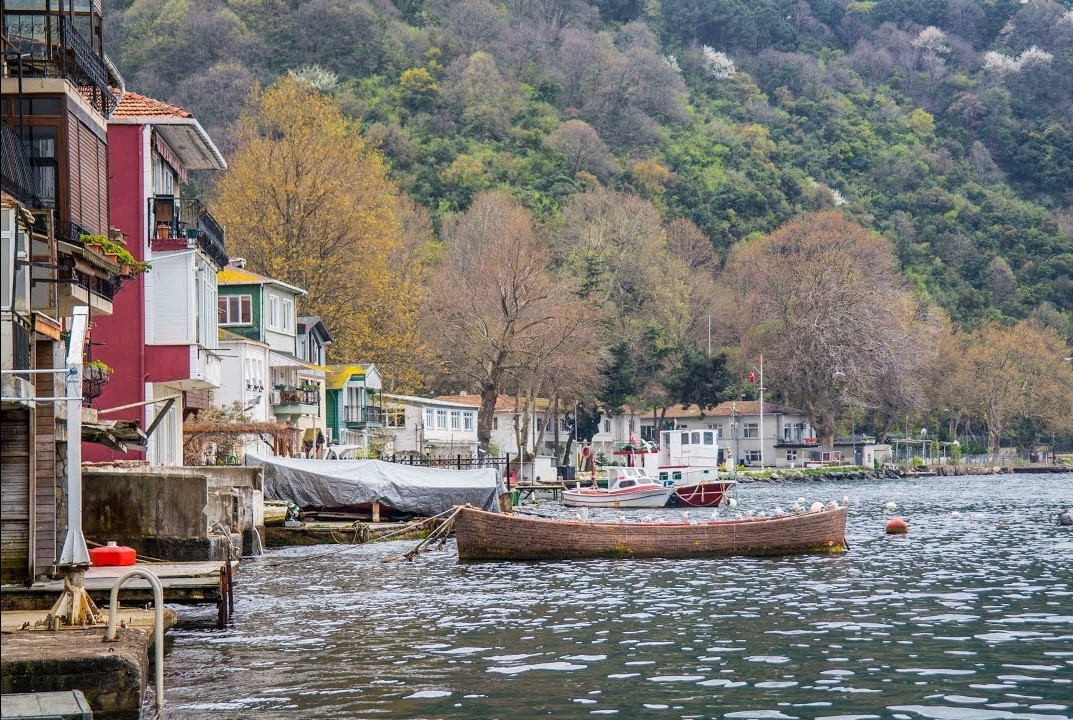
(507, 465)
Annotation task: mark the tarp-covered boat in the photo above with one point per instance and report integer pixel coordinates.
(412, 489)
(490, 536)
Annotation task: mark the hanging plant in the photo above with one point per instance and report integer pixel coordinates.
(122, 256)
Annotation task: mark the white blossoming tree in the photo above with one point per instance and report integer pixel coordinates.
(717, 64)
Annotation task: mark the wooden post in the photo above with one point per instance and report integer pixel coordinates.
(376, 512)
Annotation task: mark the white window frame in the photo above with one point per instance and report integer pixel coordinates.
(607, 425)
(237, 301)
(441, 419)
(751, 431)
(456, 420)
(752, 456)
(288, 310)
(791, 455)
(430, 418)
(273, 311)
(467, 421)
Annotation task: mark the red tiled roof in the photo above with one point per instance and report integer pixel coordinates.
(134, 105)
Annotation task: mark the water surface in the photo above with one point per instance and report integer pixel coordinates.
(969, 617)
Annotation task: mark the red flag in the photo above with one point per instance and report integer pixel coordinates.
(761, 358)
(752, 377)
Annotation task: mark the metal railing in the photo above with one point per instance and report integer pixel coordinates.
(158, 625)
(17, 175)
(194, 225)
(297, 396)
(358, 414)
(20, 335)
(51, 46)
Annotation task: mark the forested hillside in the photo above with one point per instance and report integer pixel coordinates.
(618, 202)
(947, 126)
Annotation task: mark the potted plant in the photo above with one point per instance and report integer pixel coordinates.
(95, 374)
(94, 243)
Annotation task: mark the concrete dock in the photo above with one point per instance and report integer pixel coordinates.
(112, 675)
(342, 532)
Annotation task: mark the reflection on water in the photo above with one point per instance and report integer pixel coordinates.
(969, 617)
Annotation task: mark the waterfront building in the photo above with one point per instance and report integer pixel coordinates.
(354, 404)
(161, 339)
(54, 100)
(417, 427)
(265, 310)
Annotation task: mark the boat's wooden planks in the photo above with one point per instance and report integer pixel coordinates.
(491, 536)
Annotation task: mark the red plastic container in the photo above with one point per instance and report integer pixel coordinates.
(112, 555)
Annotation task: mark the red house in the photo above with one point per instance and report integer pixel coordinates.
(161, 337)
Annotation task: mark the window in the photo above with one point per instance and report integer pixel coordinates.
(647, 432)
(394, 417)
(752, 430)
(495, 423)
(540, 425)
(288, 309)
(709, 438)
(441, 419)
(685, 438)
(430, 418)
(752, 456)
(791, 455)
(273, 311)
(695, 438)
(607, 426)
(234, 310)
(456, 419)
(467, 421)
(786, 432)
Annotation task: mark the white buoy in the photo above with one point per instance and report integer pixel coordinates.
(733, 503)
(890, 506)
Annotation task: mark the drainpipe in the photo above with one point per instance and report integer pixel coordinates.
(114, 76)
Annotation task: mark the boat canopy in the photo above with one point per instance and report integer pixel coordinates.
(407, 488)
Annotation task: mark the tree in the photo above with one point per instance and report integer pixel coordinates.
(493, 308)
(1022, 375)
(583, 149)
(307, 202)
(822, 300)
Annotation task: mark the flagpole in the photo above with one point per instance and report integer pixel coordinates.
(761, 412)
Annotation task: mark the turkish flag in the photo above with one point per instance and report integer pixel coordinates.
(752, 377)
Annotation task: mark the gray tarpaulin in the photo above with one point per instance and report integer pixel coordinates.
(407, 488)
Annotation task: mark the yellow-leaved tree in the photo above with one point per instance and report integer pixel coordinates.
(305, 200)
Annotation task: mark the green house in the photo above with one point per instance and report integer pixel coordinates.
(354, 403)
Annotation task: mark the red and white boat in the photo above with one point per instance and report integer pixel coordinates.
(689, 464)
(627, 488)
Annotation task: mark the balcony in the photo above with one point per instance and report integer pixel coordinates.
(295, 401)
(183, 225)
(17, 174)
(797, 441)
(363, 416)
(51, 47)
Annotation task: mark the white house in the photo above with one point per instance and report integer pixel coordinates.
(245, 380)
(416, 427)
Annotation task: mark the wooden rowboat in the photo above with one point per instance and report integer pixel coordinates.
(492, 536)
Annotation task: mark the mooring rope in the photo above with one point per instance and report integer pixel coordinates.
(443, 531)
(410, 527)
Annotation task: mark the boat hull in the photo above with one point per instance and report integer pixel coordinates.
(654, 497)
(491, 536)
(704, 494)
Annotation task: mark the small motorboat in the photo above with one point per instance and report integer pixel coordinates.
(637, 491)
(495, 536)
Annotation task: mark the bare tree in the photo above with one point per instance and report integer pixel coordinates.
(584, 149)
(494, 309)
(821, 298)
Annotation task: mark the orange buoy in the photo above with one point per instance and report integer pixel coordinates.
(897, 526)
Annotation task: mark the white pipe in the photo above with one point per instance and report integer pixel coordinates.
(158, 625)
(75, 551)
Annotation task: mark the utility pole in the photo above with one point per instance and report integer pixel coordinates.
(761, 411)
